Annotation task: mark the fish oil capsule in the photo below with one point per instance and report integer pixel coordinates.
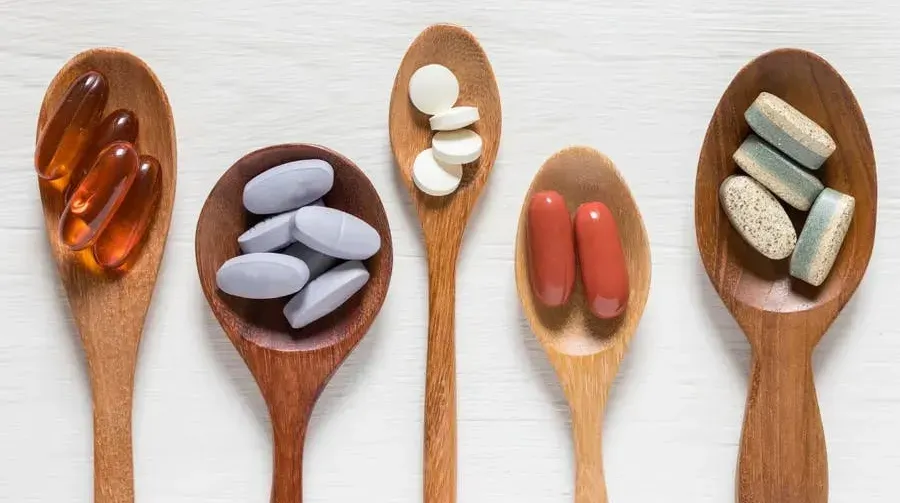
(69, 130)
(98, 196)
(129, 224)
(119, 125)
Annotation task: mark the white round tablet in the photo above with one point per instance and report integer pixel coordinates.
(457, 147)
(455, 118)
(434, 177)
(433, 89)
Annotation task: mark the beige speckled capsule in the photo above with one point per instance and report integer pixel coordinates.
(758, 217)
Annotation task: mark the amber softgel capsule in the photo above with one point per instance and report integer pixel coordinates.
(119, 125)
(128, 225)
(65, 138)
(98, 196)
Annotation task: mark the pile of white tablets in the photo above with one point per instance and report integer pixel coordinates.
(303, 249)
(437, 171)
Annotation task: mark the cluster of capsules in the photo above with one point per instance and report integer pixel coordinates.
(110, 190)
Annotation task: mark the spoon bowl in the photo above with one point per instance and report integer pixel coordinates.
(290, 366)
(738, 272)
(458, 50)
(782, 454)
(443, 222)
(586, 351)
(109, 307)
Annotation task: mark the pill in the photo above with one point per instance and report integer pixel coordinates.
(335, 233)
(604, 272)
(795, 134)
(119, 125)
(457, 147)
(434, 177)
(128, 226)
(273, 233)
(822, 236)
(433, 89)
(551, 248)
(69, 129)
(288, 186)
(262, 276)
(326, 293)
(757, 216)
(316, 262)
(778, 173)
(455, 118)
(99, 195)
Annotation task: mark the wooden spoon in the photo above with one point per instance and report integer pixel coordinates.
(443, 222)
(109, 308)
(290, 366)
(782, 452)
(586, 351)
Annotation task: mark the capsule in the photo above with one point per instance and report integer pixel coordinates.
(98, 196)
(66, 135)
(120, 125)
(551, 250)
(127, 228)
(603, 268)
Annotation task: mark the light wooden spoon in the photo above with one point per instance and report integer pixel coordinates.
(584, 350)
(782, 452)
(290, 366)
(109, 308)
(443, 222)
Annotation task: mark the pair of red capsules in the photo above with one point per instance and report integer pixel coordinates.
(551, 247)
(112, 191)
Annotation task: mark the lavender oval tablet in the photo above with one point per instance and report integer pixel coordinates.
(335, 233)
(288, 186)
(326, 293)
(317, 262)
(269, 235)
(262, 276)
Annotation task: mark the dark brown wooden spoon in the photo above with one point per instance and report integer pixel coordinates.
(290, 366)
(109, 308)
(782, 452)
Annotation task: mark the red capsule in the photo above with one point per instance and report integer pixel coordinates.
(128, 226)
(604, 271)
(98, 196)
(551, 249)
(68, 131)
(119, 125)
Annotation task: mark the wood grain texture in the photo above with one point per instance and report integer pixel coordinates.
(291, 366)
(586, 351)
(783, 456)
(444, 221)
(638, 80)
(109, 307)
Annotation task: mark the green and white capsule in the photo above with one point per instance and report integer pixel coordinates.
(795, 134)
(777, 173)
(822, 236)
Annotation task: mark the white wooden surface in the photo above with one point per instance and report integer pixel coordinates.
(637, 80)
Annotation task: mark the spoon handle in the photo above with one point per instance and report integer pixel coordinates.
(440, 381)
(782, 452)
(289, 422)
(587, 426)
(112, 388)
(586, 382)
